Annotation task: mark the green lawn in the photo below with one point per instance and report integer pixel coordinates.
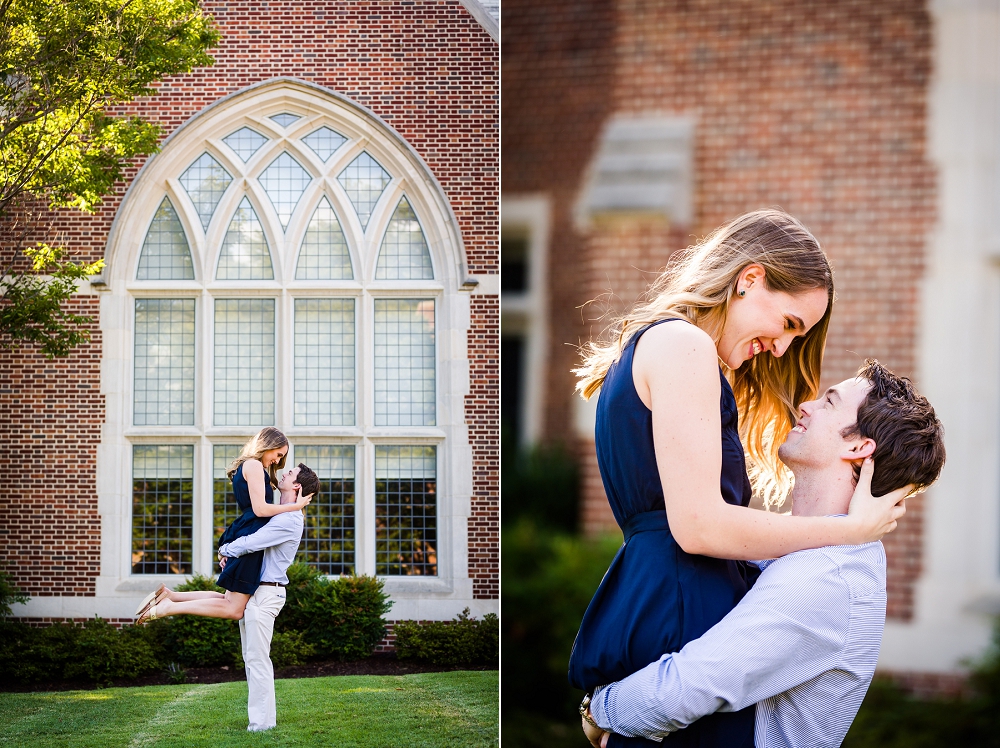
(429, 709)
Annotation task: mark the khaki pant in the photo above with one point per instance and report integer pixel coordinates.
(256, 628)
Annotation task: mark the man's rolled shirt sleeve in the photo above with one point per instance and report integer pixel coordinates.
(788, 629)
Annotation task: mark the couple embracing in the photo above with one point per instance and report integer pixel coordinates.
(255, 552)
(691, 639)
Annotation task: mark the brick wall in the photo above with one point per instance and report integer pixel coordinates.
(52, 412)
(484, 436)
(429, 70)
(819, 108)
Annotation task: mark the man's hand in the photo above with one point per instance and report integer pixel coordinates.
(597, 737)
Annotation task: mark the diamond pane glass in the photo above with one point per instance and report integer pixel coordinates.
(404, 254)
(284, 119)
(244, 254)
(162, 508)
(328, 539)
(324, 362)
(205, 180)
(324, 141)
(163, 392)
(224, 507)
(284, 182)
(364, 179)
(404, 362)
(244, 362)
(324, 254)
(406, 510)
(245, 142)
(165, 252)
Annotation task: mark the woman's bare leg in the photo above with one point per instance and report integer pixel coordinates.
(231, 605)
(180, 597)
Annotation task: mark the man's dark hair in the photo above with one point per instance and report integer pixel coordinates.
(308, 480)
(909, 439)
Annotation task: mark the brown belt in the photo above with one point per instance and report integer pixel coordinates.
(274, 584)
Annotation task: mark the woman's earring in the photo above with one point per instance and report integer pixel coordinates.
(743, 293)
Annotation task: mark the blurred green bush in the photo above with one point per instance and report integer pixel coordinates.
(540, 483)
(549, 578)
(889, 718)
(464, 641)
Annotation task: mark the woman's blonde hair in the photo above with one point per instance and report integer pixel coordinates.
(697, 285)
(265, 440)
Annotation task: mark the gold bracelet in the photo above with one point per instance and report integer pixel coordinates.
(585, 713)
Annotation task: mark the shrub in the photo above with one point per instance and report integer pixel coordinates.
(300, 578)
(540, 483)
(95, 651)
(41, 654)
(290, 648)
(195, 641)
(9, 594)
(464, 641)
(341, 617)
(103, 653)
(548, 581)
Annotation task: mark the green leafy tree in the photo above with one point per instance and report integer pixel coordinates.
(64, 64)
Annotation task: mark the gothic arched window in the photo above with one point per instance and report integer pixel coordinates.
(287, 260)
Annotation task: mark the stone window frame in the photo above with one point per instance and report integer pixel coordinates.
(449, 290)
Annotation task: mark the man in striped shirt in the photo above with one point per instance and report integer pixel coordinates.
(803, 643)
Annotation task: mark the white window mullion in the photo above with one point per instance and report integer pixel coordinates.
(365, 508)
(203, 550)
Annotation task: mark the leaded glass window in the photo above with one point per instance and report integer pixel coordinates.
(324, 142)
(244, 362)
(165, 252)
(324, 254)
(404, 362)
(284, 119)
(244, 254)
(245, 142)
(205, 180)
(324, 362)
(364, 179)
(328, 539)
(406, 510)
(224, 506)
(284, 182)
(404, 254)
(164, 362)
(307, 330)
(162, 508)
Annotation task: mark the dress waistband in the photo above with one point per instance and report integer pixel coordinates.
(645, 522)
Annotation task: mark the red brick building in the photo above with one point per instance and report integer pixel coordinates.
(640, 126)
(314, 247)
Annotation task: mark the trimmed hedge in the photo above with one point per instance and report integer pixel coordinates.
(342, 617)
(95, 652)
(194, 641)
(464, 641)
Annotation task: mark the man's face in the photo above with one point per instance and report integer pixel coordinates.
(289, 479)
(816, 441)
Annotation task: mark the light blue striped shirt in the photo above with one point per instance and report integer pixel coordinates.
(279, 539)
(802, 645)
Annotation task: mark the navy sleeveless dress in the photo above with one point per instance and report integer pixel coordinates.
(655, 598)
(243, 574)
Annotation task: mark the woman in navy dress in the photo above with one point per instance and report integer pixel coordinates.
(254, 476)
(675, 400)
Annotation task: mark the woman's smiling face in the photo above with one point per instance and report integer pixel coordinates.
(766, 321)
(272, 456)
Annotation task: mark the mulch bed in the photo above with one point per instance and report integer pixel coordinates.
(377, 664)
